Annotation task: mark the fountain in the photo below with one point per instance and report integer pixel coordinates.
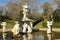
(27, 22)
(16, 28)
(4, 26)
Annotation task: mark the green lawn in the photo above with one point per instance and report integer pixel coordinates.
(42, 24)
(10, 23)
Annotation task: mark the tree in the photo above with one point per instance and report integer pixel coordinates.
(34, 5)
(13, 10)
(56, 15)
(58, 3)
(47, 7)
(1, 13)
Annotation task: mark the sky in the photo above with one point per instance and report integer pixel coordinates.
(5, 2)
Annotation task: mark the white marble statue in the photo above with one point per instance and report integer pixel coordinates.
(25, 18)
(49, 23)
(31, 24)
(25, 7)
(25, 12)
(26, 26)
(16, 28)
(4, 26)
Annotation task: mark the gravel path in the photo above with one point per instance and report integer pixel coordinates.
(53, 29)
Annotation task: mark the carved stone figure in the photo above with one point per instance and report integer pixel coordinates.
(4, 26)
(16, 28)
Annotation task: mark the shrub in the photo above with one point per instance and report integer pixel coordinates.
(44, 24)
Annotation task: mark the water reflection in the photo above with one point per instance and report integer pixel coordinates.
(4, 36)
(33, 36)
(30, 36)
(16, 38)
(50, 36)
(27, 37)
(39, 37)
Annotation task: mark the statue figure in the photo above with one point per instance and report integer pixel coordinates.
(26, 20)
(49, 23)
(25, 12)
(25, 25)
(4, 26)
(16, 28)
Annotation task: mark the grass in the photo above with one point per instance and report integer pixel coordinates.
(42, 24)
(56, 25)
(38, 25)
(10, 23)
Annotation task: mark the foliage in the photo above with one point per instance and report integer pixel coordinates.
(56, 25)
(56, 15)
(14, 11)
(35, 16)
(10, 23)
(47, 7)
(44, 23)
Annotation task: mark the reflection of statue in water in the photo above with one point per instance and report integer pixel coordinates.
(49, 36)
(4, 26)
(27, 37)
(27, 22)
(30, 36)
(16, 28)
(24, 37)
(4, 36)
